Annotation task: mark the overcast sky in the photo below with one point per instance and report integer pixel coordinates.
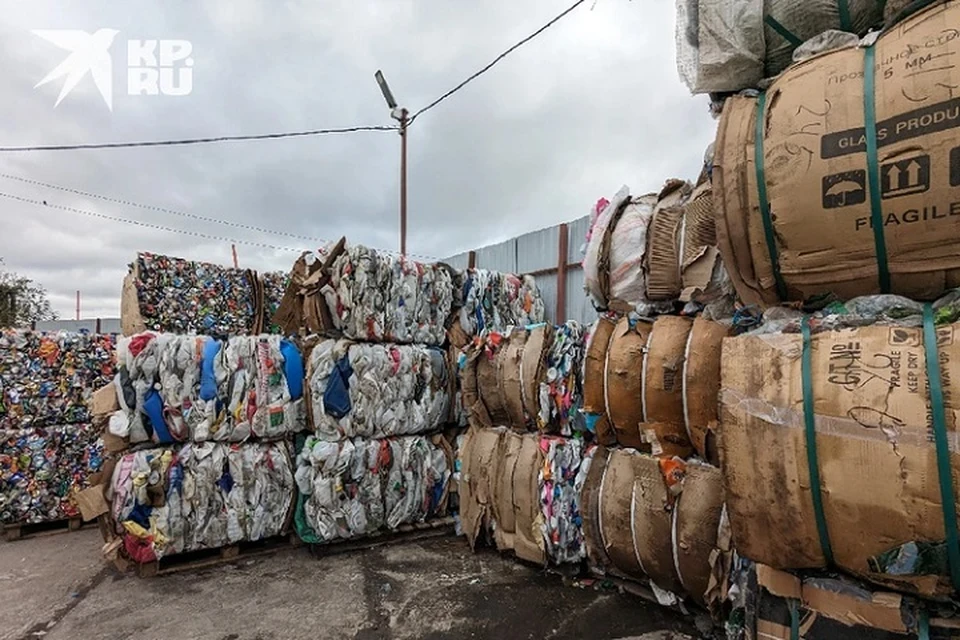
(593, 103)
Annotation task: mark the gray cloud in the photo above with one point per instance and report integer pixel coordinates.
(591, 104)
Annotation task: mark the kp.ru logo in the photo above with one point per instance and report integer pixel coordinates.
(154, 67)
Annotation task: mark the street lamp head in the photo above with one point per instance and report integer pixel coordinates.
(385, 90)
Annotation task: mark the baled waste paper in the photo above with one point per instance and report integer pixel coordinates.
(47, 379)
(729, 45)
(490, 301)
(655, 520)
(356, 486)
(810, 201)
(176, 388)
(776, 604)
(837, 444)
(378, 390)
(42, 468)
(179, 498)
(653, 385)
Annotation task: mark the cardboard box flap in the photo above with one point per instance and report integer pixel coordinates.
(91, 502)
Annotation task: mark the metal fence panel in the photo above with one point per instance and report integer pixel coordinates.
(538, 250)
(578, 235)
(499, 257)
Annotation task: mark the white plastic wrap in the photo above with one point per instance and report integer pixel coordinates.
(209, 390)
(385, 298)
(390, 389)
(199, 496)
(354, 487)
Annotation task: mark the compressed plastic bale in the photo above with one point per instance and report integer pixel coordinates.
(200, 495)
(821, 211)
(42, 468)
(377, 390)
(381, 297)
(193, 388)
(562, 527)
(561, 390)
(48, 378)
(490, 301)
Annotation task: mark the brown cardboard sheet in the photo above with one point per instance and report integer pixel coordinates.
(696, 522)
(701, 385)
(662, 392)
(624, 381)
(503, 491)
(528, 541)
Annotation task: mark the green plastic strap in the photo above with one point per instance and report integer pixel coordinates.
(758, 161)
(873, 168)
(788, 35)
(794, 619)
(924, 631)
(810, 429)
(944, 471)
(845, 22)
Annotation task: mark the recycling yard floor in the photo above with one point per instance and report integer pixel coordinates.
(57, 588)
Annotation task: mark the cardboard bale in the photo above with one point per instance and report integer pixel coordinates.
(701, 386)
(624, 381)
(594, 373)
(478, 472)
(829, 608)
(876, 459)
(651, 521)
(663, 417)
(528, 541)
(696, 521)
(665, 242)
(534, 368)
(510, 380)
(489, 375)
(590, 510)
(816, 171)
(503, 491)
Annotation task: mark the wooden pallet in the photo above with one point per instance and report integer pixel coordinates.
(411, 532)
(207, 558)
(24, 530)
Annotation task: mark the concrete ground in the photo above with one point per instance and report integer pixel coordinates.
(57, 588)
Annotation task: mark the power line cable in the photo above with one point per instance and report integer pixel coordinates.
(495, 61)
(189, 141)
(198, 234)
(148, 207)
(148, 225)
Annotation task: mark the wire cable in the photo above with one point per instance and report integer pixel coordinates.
(102, 216)
(189, 141)
(495, 61)
(148, 207)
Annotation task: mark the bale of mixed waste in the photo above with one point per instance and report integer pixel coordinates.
(356, 486)
(837, 442)
(177, 388)
(654, 520)
(47, 379)
(378, 390)
(729, 45)
(180, 498)
(657, 388)
(527, 379)
(810, 202)
(522, 491)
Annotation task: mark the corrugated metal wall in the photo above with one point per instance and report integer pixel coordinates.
(107, 325)
(536, 252)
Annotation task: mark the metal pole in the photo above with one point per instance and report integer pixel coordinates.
(78, 304)
(233, 248)
(403, 182)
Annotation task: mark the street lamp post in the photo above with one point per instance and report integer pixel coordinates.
(401, 115)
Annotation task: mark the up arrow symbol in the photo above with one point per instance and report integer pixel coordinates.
(913, 175)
